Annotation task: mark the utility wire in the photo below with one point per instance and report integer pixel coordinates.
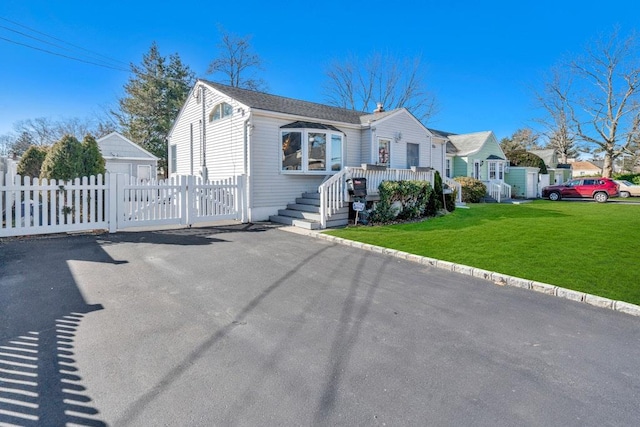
(45, 42)
(62, 41)
(63, 55)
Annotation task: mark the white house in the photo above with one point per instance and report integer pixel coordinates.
(8, 169)
(122, 155)
(585, 168)
(287, 148)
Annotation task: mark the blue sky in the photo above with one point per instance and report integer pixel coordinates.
(481, 57)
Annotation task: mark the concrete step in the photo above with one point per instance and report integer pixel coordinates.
(302, 223)
(303, 207)
(306, 201)
(315, 195)
(299, 214)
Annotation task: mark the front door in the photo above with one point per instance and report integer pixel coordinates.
(476, 169)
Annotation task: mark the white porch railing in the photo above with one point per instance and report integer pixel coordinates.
(498, 190)
(333, 192)
(332, 196)
(452, 183)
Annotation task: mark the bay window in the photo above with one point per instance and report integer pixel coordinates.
(311, 150)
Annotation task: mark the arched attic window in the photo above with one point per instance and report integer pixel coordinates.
(220, 111)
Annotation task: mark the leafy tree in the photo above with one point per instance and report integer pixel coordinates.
(599, 92)
(64, 160)
(525, 158)
(522, 139)
(392, 82)
(236, 62)
(92, 159)
(31, 161)
(155, 92)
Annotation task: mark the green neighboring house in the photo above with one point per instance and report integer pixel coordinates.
(477, 155)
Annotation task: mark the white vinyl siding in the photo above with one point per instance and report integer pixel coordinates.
(189, 118)
(411, 132)
(270, 188)
(224, 139)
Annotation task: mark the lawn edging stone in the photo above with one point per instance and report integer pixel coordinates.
(628, 308)
(570, 294)
(544, 288)
(497, 278)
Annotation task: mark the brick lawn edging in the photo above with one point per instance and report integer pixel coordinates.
(497, 278)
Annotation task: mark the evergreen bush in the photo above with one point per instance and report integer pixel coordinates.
(631, 177)
(473, 190)
(412, 198)
(31, 161)
(93, 162)
(524, 158)
(64, 160)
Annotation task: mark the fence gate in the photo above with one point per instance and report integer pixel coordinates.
(115, 201)
(183, 200)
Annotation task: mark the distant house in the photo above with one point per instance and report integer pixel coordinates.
(585, 168)
(477, 155)
(8, 169)
(121, 155)
(558, 172)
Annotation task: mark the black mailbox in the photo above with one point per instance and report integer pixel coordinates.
(357, 187)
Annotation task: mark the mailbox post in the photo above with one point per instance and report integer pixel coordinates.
(357, 188)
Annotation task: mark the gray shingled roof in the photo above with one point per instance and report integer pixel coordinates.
(462, 144)
(280, 104)
(366, 118)
(440, 133)
(469, 143)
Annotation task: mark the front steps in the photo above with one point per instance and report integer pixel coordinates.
(305, 213)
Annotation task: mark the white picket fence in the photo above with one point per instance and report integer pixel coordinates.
(114, 202)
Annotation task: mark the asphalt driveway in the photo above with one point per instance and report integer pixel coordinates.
(251, 325)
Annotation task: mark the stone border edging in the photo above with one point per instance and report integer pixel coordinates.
(497, 278)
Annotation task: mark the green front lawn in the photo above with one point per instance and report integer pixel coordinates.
(588, 247)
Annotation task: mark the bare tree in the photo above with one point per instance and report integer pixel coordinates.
(6, 141)
(237, 62)
(598, 96)
(556, 124)
(75, 126)
(395, 83)
(41, 130)
(44, 131)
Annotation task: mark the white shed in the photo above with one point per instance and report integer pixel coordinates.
(122, 155)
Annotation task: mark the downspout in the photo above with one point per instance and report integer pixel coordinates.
(204, 172)
(246, 168)
(431, 158)
(374, 157)
(444, 158)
